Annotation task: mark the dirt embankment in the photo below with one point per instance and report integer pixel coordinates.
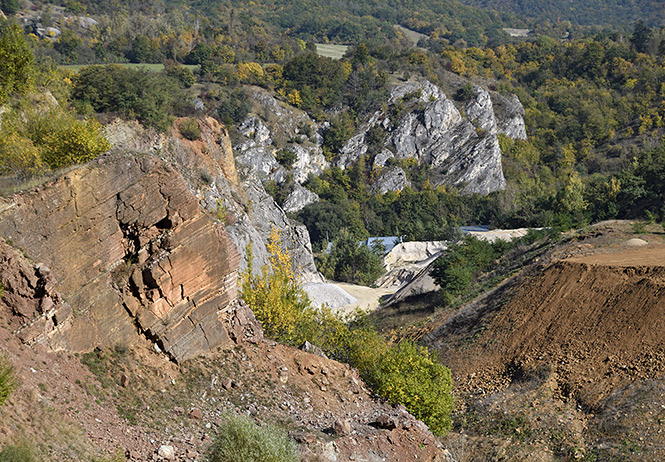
(129, 402)
(595, 321)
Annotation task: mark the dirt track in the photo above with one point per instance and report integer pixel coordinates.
(367, 297)
(650, 256)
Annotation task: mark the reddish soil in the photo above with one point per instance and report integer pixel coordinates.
(138, 400)
(598, 320)
(574, 345)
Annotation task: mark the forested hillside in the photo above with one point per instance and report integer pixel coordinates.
(153, 30)
(586, 12)
(593, 106)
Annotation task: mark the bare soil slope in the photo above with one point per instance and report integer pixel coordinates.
(129, 402)
(599, 320)
(569, 355)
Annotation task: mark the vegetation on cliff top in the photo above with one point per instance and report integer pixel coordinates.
(37, 133)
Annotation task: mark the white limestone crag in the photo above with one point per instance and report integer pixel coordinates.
(510, 116)
(480, 111)
(280, 127)
(299, 199)
(431, 130)
(393, 179)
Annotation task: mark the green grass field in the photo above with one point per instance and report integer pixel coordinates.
(329, 50)
(411, 34)
(150, 67)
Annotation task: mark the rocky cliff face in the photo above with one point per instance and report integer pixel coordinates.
(139, 248)
(510, 116)
(140, 243)
(423, 124)
(129, 250)
(284, 128)
(237, 199)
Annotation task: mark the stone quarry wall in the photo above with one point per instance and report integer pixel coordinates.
(120, 249)
(239, 200)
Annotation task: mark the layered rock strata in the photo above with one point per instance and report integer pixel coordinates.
(130, 251)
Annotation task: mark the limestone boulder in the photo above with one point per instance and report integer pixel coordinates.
(309, 161)
(299, 199)
(393, 179)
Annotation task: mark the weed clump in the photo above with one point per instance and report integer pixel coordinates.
(189, 128)
(8, 381)
(17, 453)
(241, 440)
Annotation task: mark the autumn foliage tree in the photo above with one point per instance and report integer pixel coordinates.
(16, 71)
(35, 141)
(276, 298)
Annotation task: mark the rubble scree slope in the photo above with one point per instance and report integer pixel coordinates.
(596, 321)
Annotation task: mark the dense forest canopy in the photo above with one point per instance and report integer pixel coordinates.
(309, 20)
(604, 13)
(593, 104)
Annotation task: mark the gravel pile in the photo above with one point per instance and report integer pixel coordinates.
(322, 293)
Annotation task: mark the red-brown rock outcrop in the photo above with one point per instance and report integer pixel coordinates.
(131, 252)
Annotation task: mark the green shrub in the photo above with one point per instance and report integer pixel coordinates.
(233, 107)
(241, 440)
(351, 261)
(19, 156)
(639, 227)
(403, 373)
(7, 380)
(189, 128)
(411, 376)
(286, 157)
(275, 298)
(16, 65)
(67, 140)
(35, 141)
(180, 73)
(18, 453)
(337, 134)
(461, 266)
(10, 6)
(133, 93)
(456, 269)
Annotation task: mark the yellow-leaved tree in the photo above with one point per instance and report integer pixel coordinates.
(36, 140)
(402, 373)
(274, 295)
